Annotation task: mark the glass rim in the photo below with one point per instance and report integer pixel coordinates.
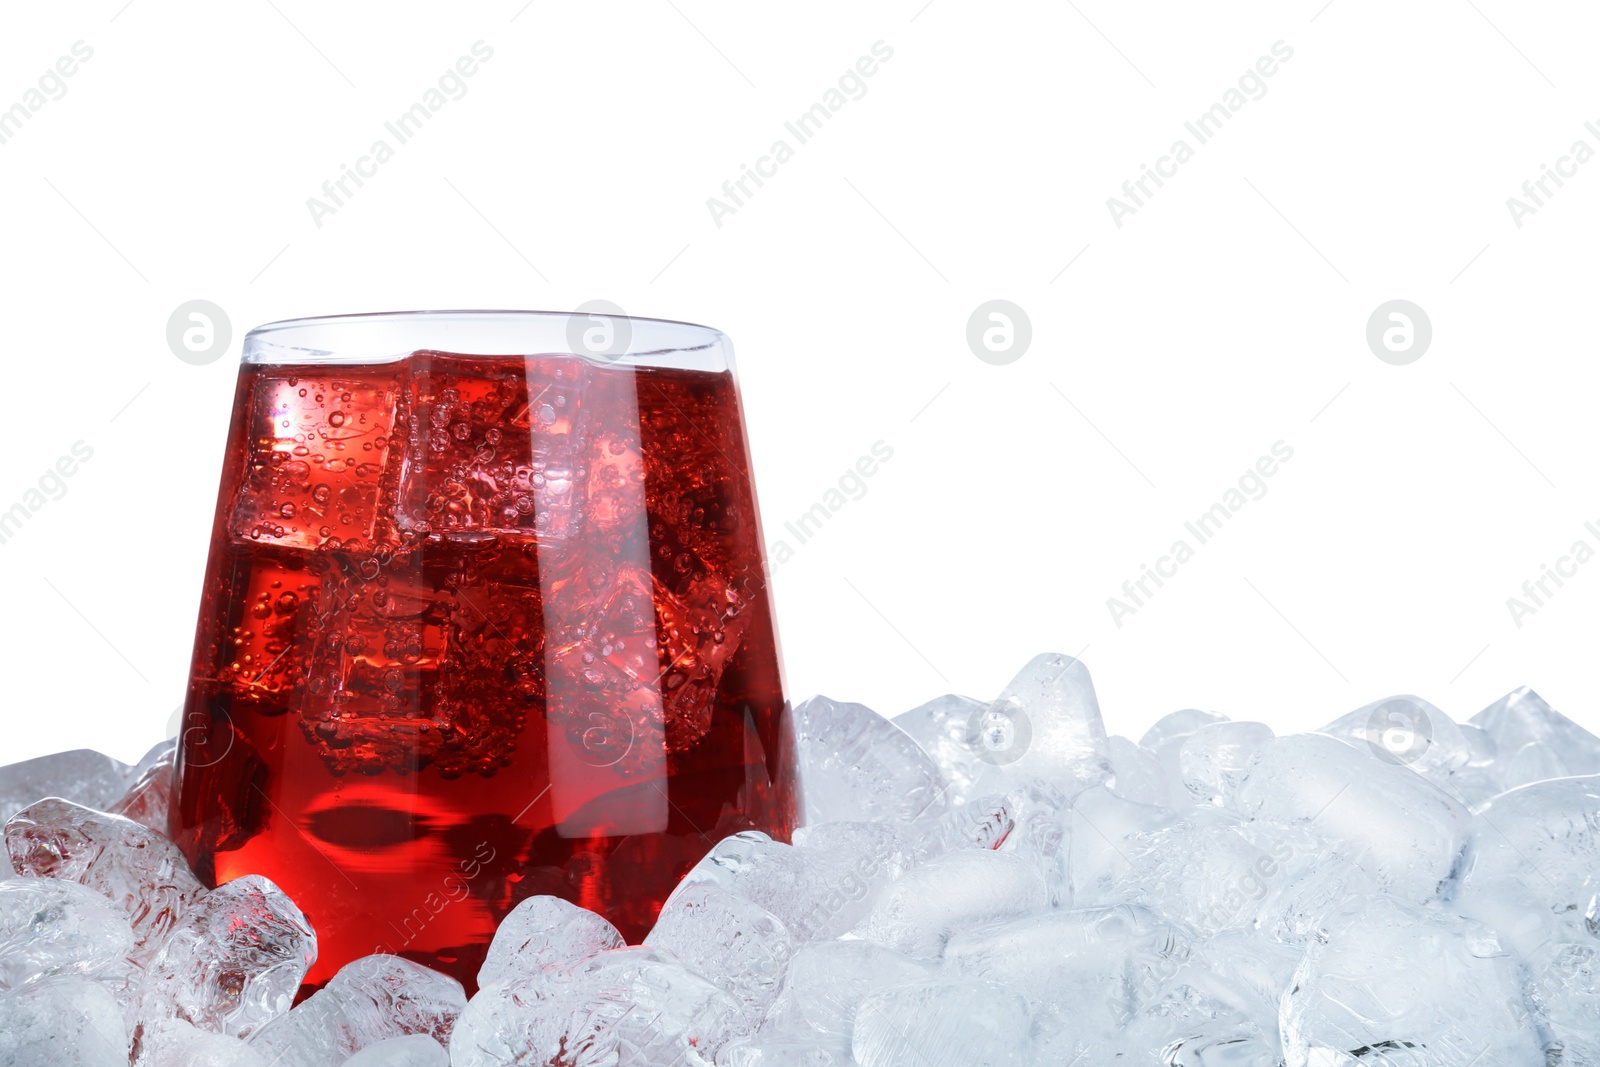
(386, 336)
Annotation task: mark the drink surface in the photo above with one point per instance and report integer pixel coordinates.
(474, 629)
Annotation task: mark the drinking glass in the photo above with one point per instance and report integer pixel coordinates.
(485, 616)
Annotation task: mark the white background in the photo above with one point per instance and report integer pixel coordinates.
(1227, 314)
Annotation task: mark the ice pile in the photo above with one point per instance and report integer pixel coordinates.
(976, 884)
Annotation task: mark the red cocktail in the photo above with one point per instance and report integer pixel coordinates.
(480, 626)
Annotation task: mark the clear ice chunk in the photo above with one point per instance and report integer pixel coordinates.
(740, 946)
(148, 800)
(1245, 973)
(1414, 986)
(1381, 815)
(943, 1023)
(1208, 872)
(920, 911)
(816, 893)
(1406, 730)
(1534, 742)
(781, 1054)
(1164, 741)
(545, 932)
(1316, 887)
(1533, 867)
(370, 1000)
(50, 928)
(630, 1007)
(1101, 824)
(1046, 724)
(1136, 773)
(825, 985)
(82, 776)
(1187, 1027)
(62, 1022)
(947, 729)
(982, 822)
(1563, 988)
(1084, 972)
(175, 1043)
(1172, 728)
(413, 1050)
(855, 765)
(132, 865)
(1213, 759)
(312, 472)
(234, 962)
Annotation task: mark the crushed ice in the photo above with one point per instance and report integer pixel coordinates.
(975, 884)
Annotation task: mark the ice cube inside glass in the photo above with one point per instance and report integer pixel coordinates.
(485, 617)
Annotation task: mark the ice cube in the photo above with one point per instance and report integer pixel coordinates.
(1164, 741)
(1563, 989)
(413, 1050)
(1187, 1027)
(942, 1023)
(1040, 813)
(921, 910)
(545, 932)
(947, 730)
(235, 960)
(82, 776)
(815, 893)
(740, 946)
(62, 1022)
(753, 1053)
(1434, 988)
(148, 800)
(1084, 972)
(137, 868)
(1406, 730)
(50, 928)
(1317, 885)
(318, 449)
(1380, 814)
(629, 1007)
(1535, 854)
(370, 1000)
(1246, 973)
(639, 654)
(982, 822)
(1212, 760)
(495, 447)
(1136, 774)
(1534, 742)
(1101, 854)
(1208, 872)
(264, 659)
(175, 1043)
(1046, 724)
(855, 765)
(1171, 729)
(825, 985)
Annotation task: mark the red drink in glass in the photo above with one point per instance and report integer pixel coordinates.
(479, 627)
